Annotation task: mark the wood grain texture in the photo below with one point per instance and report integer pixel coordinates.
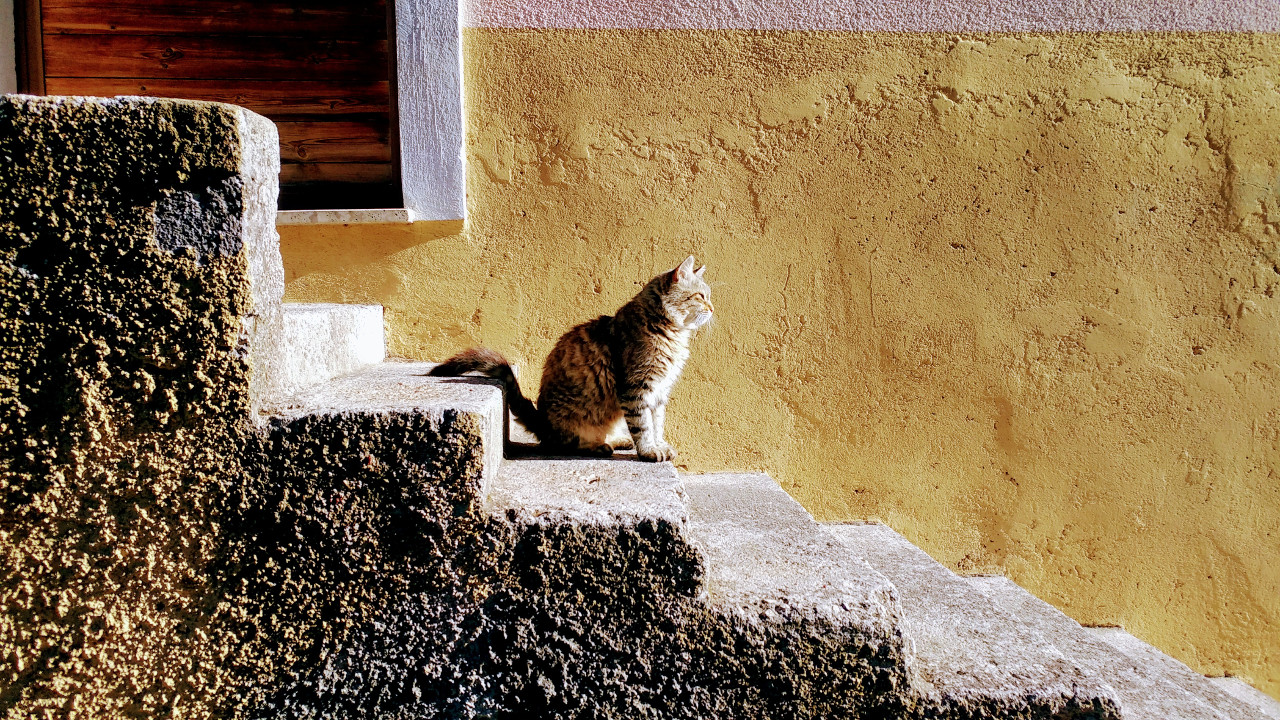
(28, 46)
(144, 56)
(328, 18)
(346, 141)
(272, 98)
(319, 68)
(330, 172)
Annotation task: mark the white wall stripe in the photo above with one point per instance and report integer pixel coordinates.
(888, 15)
(429, 97)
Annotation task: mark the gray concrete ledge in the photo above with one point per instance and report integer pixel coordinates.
(399, 387)
(1248, 694)
(1141, 654)
(972, 659)
(767, 558)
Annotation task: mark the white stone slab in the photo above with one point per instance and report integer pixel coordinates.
(324, 340)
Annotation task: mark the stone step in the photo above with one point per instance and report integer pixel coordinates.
(1140, 653)
(393, 418)
(320, 341)
(823, 621)
(1249, 695)
(598, 521)
(1145, 692)
(971, 657)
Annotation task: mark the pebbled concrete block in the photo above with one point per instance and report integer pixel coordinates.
(365, 543)
(140, 281)
(1223, 704)
(1144, 692)
(320, 341)
(403, 389)
(971, 657)
(786, 592)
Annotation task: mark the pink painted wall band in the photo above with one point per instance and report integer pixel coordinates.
(888, 15)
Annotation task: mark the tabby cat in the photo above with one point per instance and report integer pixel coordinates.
(608, 369)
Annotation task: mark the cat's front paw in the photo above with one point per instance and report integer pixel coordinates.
(659, 453)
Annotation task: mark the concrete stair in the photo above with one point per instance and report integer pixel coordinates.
(1249, 695)
(752, 608)
(972, 658)
(1148, 687)
(1211, 694)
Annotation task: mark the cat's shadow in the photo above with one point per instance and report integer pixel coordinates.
(534, 451)
(521, 445)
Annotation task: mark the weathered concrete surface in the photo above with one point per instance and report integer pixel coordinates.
(398, 389)
(1144, 691)
(182, 537)
(931, 253)
(1248, 694)
(825, 620)
(321, 341)
(588, 592)
(366, 542)
(971, 657)
(1141, 654)
(138, 274)
(770, 562)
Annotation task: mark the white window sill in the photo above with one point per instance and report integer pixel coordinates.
(344, 217)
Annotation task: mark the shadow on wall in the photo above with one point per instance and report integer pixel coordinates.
(325, 258)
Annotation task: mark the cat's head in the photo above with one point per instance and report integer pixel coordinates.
(686, 296)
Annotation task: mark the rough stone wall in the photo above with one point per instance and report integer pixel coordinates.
(164, 552)
(1015, 294)
(124, 386)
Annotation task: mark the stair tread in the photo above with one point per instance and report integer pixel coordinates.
(1144, 692)
(391, 386)
(768, 559)
(966, 647)
(587, 491)
(1147, 656)
(1248, 694)
(320, 341)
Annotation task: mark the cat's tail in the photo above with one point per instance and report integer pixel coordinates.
(491, 364)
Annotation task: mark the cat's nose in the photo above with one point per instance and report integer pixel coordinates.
(710, 308)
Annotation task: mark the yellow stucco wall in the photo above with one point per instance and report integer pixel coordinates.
(1014, 295)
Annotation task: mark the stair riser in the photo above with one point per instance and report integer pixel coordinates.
(323, 341)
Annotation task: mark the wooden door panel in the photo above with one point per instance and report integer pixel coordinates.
(216, 17)
(171, 57)
(321, 69)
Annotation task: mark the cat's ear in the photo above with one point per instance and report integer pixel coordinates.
(682, 272)
(699, 271)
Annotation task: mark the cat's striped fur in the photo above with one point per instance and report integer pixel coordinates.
(608, 370)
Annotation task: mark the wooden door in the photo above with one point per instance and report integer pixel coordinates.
(321, 69)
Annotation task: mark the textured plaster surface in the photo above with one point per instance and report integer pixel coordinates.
(429, 102)
(1015, 295)
(890, 15)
